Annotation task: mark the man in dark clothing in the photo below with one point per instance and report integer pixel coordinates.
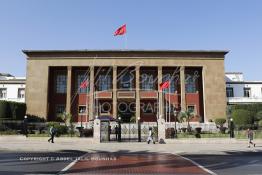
(116, 132)
(25, 126)
(52, 132)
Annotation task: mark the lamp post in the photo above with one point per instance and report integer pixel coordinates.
(231, 128)
(176, 113)
(119, 129)
(139, 129)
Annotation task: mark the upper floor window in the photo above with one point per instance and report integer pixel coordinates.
(104, 82)
(60, 82)
(3, 92)
(147, 81)
(247, 92)
(126, 81)
(230, 92)
(21, 93)
(82, 77)
(171, 79)
(190, 83)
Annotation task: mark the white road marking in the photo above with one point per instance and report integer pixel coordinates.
(71, 164)
(198, 165)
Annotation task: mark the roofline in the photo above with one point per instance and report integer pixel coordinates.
(216, 54)
(233, 72)
(244, 82)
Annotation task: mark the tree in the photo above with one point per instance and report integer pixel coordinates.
(186, 116)
(220, 124)
(242, 118)
(258, 116)
(68, 121)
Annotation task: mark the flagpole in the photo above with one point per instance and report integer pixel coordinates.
(169, 104)
(125, 41)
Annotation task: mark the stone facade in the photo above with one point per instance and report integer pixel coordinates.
(210, 64)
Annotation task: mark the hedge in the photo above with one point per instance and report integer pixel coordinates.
(12, 110)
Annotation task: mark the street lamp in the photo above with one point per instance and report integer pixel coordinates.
(176, 113)
(231, 128)
(139, 129)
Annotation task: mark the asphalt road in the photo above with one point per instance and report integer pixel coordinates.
(224, 163)
(231, 162)
(36, 162)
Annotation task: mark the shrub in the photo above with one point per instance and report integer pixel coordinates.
(220, 124)
(220, 121)
(34, 118)
(12, 110)
(242, 118)
(4, 110)
(61, 129)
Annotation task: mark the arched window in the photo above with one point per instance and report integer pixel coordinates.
(126, 81)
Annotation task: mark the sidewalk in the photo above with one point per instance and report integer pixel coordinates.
(21, 143)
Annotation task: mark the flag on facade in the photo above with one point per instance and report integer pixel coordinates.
(164, 85)
(121, 30)
(84, 84)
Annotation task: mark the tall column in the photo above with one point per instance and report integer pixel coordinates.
(183, 88)
(114, 91)
(137, 93)
(91, 93)
(160, 94)
(68, 89)
(203, 92)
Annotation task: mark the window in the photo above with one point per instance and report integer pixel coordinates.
(191, 109)
(105, 108)
(61, 80)
(104, 82)
(147, 81)
(247, 92)
(60, 109)
(167, 77)
(80, 79)
(21, 93)
(3, 92)
(82, 110)
(230, 92)
(190, 83)
(126, 81)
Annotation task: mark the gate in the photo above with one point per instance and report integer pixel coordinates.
(105, 131)
(130, 131)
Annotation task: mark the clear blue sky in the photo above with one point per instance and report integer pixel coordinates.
(234, 25)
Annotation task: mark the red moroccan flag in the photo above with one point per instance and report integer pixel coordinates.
(164, 85)
(121, 30)
(83, 84)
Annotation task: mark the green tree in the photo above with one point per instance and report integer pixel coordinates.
(258, 116)
(242, 118)
(186, 116)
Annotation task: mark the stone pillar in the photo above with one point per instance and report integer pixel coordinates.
(96, 136)
(203, 92)
(114, 92)
(183, 88)
(137, 93)
(160, 94)
(68, 89)
(91, 93)
(161, 129)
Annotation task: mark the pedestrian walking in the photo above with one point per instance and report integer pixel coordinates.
(150, 136)
(52, 132)
(116, 132)
(250, 136)
(25, 126)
